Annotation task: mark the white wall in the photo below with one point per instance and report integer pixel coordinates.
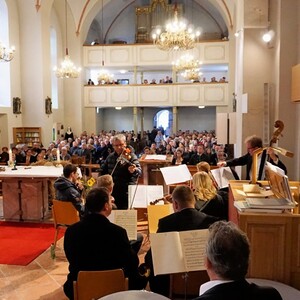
(189, 118)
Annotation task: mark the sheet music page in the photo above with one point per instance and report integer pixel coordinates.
(193, 247)
(126, 219)
(155, 157)
(167, 253)
(144, 194)
(176, 174)
(222, 176)
(217, 175)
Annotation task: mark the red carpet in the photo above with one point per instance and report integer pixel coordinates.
(21, 242)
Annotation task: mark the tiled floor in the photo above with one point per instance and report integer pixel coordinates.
(41, 279)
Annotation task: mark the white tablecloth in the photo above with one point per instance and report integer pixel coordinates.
(32, 172)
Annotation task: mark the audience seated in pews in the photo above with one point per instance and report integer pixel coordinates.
(227, 260)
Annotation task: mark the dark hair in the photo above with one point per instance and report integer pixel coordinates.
(254, 141)
(228, 250)
(183, 194)
(69, 169)
(96, 199)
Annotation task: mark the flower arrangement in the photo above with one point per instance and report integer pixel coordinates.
(88, 182)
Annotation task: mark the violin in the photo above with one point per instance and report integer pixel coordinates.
(125, 157)
(167, 200)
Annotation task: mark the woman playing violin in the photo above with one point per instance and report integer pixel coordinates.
(123, 165)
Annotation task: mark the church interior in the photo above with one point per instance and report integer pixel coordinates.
(122, 77)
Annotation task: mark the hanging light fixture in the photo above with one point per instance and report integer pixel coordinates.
(6, 54)
(177, 35)
(67, 68)
(191, 74)
(186, 62)
(103, 76)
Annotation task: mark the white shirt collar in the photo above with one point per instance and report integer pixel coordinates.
(210, 284)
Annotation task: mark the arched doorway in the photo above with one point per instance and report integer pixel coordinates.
(163, 119)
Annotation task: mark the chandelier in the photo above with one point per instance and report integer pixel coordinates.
(104, 77)
(67, 68)
(186, 62)
(191, 74)
(6, 54)
(177, 36)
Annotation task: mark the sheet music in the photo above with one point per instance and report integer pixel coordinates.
(144, 194)
(176, 252)
(222, 176)
(166, 253)
(193, 246)
(176, 174)
(126, 219)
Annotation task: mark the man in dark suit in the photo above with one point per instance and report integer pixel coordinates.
(95, 243)
(227, 259)
(199, 156)
(124, 166)
(253, 143)
(186, 217)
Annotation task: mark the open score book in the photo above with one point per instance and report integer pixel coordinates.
(177, 252)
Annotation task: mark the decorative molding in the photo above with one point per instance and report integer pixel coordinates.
(81, 17)
(228, 13)
(139, 95)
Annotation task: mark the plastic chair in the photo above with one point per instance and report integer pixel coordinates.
(96, 284)
(64, 215)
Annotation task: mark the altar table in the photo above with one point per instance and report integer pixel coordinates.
(25, 191)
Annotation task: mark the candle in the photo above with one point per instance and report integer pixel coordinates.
(10, 155)
(57, 155)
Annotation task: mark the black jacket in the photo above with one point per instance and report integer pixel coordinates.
(67, 191)
(247, 160)
(121, 176)
(186, 219)
(94, 244)
(240, 290)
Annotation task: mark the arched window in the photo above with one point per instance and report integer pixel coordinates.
(5, 94)
(163, 119)
(53, 53)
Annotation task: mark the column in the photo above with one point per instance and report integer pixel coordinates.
(175, 125)
(135, 128)
(142, 121)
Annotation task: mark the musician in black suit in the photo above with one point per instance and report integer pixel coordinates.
(227, 259)
(95, 243)
(253, 143)
(185, 217)
(124, 166)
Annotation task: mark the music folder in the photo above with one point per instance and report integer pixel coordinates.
(178, 252)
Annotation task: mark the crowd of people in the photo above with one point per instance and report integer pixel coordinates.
(195, 146)
(95, 243)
